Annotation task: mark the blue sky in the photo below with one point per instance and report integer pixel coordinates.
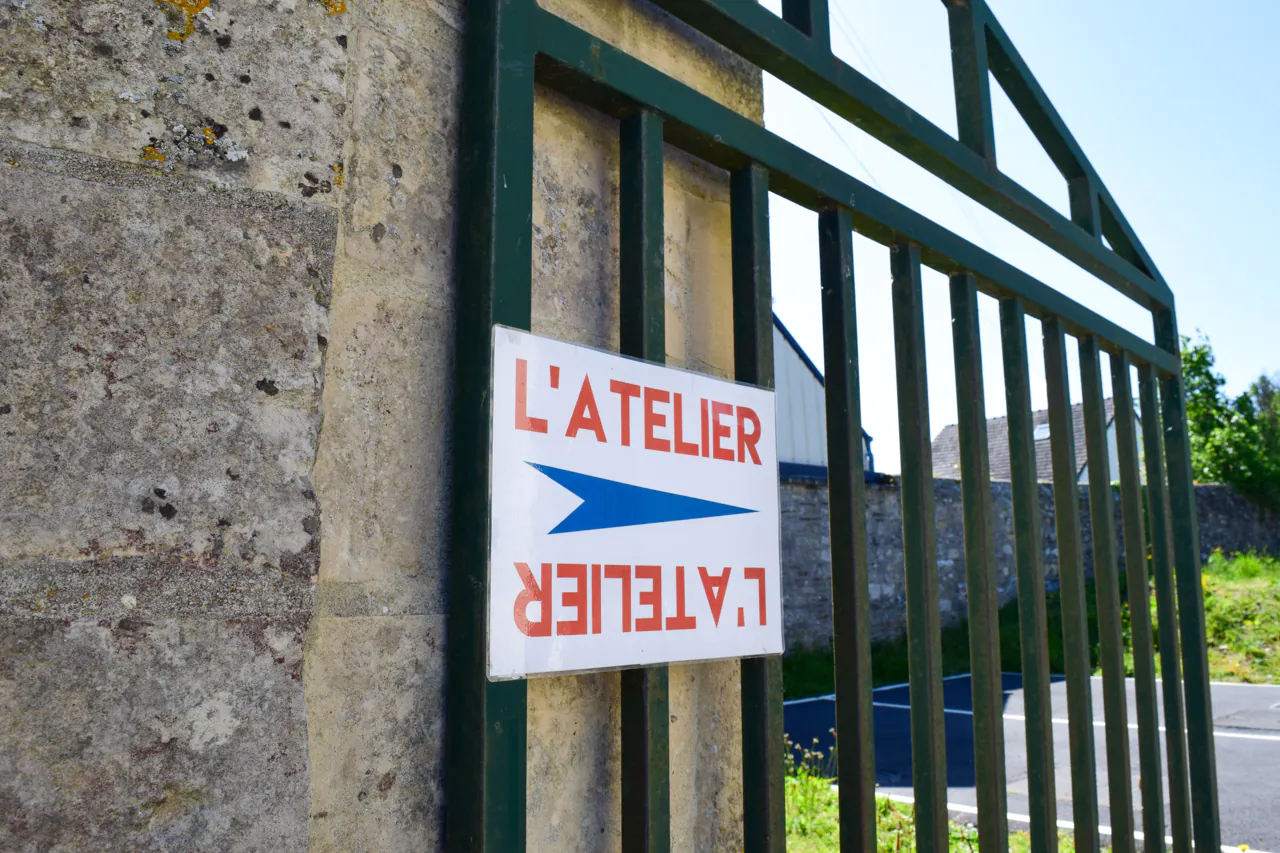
(1177, 107)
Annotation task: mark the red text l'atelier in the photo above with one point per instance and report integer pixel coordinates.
(583, 587)
(663, 423)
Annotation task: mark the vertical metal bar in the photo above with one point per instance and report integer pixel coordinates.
(1186, 562)
(980, 569)
(1135, 553)
(850, 593)
(642, 302)
(762, 748)
(1084, 204)
(1175, 735)
(1032, 616)
(810, 17)
(646, 758)
(1075, 625)
(1107, 583)
(919, 538)
(972, 77)
(486, 721)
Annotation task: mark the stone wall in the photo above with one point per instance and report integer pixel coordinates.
(164, 306)
(1231, 522)
(226, 341)
(1227, 521)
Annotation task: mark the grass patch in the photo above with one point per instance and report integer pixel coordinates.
(1242, 617)
(1242, 622)
(813, 816)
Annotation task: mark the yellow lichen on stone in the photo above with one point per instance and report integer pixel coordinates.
(209, 136)
(150, 152)
(335, 7)
(188, 9)
(337, 175)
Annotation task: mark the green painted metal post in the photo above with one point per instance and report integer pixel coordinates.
(1135, 554)
(1075, 626)
(1107, 583)
(486, 721)
(1175, 735)
(1186, 563)
(850, 593)
(1083, 199)
(980, 570)
(971, 76)
(1029, 551)
(646, 755)
(919, 538)
(810, 17)
(762, 747)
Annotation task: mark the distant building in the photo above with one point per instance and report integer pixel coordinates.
(946, 447)
(802, 414)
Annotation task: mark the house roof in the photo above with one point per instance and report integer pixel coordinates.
(946, 447)
(795, 345)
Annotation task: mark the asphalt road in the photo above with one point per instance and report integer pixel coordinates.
(1247, 727)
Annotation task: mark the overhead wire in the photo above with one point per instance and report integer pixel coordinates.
(846, 28)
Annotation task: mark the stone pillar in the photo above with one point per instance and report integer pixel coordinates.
(168, 179)
(226, 353)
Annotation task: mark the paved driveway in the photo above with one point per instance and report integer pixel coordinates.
(1247, 730)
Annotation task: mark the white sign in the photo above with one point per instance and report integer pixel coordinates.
(634, 513)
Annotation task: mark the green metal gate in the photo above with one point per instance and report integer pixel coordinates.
(513, 43)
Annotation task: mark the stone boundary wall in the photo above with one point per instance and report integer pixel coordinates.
(1227, 521)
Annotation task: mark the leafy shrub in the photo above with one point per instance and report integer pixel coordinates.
(1233, 441)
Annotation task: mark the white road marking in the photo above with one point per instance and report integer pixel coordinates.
(1061, 722)
(1130, 678)
(964, 808)
(831, 696)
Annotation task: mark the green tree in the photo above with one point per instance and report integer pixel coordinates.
(1233, 441)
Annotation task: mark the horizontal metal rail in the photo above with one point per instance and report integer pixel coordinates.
(592, 71)
(778, 47)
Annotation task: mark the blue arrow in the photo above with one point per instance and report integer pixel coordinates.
(608, 503)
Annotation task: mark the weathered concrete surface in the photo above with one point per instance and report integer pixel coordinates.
(399, 205)
(375, 743)
(160, 375)
(161, 735)
(375, 659)
(160, 349)
(238, 92)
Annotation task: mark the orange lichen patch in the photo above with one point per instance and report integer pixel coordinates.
(150, 152)
(335, 7)
(209, 136)
(337, 175)
(188, 9)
